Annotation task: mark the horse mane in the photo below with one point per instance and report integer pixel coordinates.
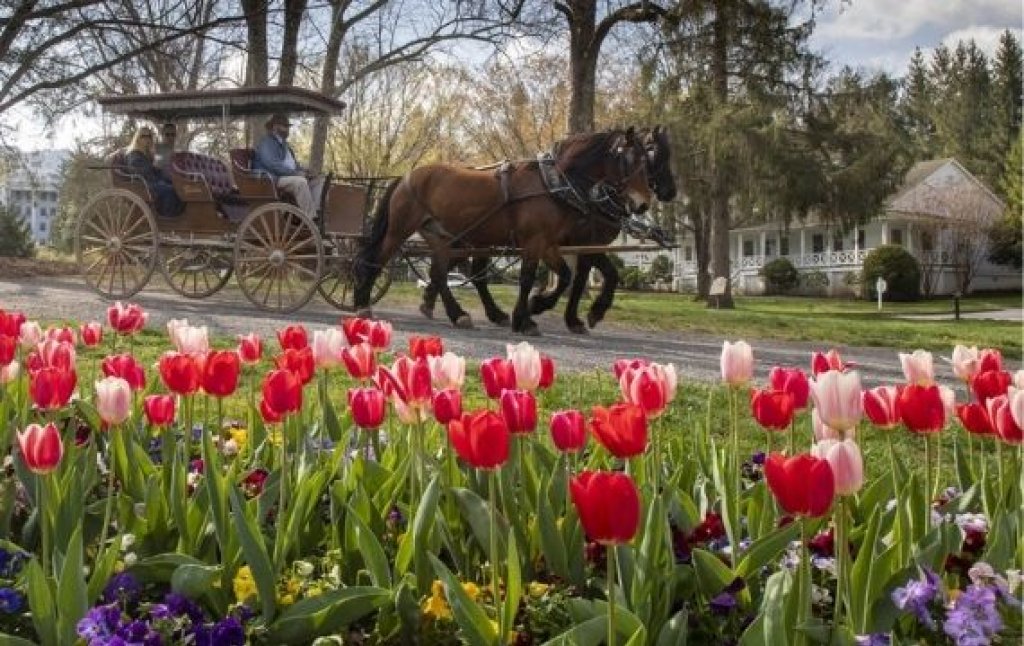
(577, 153)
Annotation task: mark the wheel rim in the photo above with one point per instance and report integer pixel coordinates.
(116, 244)
(279, 257)
(196, 271)
(338, 285)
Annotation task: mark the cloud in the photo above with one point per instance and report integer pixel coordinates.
(887, 20)
(986, 36)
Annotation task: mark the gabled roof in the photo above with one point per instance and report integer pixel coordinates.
(917, 174)
(931, 186)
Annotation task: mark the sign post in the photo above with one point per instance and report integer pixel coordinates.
(880, 288)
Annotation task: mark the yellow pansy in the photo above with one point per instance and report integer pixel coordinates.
(240, 436)
(471, 589)
(244, 584)
(510, 637)
(435, 606)
(537, 589)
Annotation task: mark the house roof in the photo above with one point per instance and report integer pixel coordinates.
(919, 172)
(929, 190)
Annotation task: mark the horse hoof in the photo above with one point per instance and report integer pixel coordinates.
(593, 320)
(536, 306)
(365, 313)
(578, 328)
(427, 311)
(502, 321)
(531, 329)
(464, 322)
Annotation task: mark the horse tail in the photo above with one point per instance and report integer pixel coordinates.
(366, 259)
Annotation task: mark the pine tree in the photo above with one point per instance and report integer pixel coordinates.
(917, 106)
(15, 236)
(1005, 246)
(1007, 95)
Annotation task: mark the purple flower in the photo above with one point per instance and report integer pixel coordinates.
(180, 605)
(229, 632)
(874, 639)
(917, 595)
(122, 588)
(758, 458)
(974, 619)
(99, 624)
(10, 600)
(723, 604)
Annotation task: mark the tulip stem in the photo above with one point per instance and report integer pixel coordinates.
(803, 605)
(999, 464)
(44, 521)
(841, 551)
(927, 480)
(492, 495)
(771, 441)
(792, 437)
(110, 488)
(901, 539)
(610, 549)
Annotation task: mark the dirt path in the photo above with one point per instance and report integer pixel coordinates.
(228, 313)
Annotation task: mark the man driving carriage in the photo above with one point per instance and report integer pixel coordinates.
(274, 156)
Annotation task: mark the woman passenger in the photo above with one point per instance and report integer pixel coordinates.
(140, 159)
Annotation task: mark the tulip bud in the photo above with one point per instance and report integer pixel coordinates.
(30, 334)
(802, 484)
(772, 409)
(847, 464)
(608, 504)
(92, 334)
(880, 406)
(448, 370)
(737, 363)
(793, 381)
(220, 373)
(922, 409)
(918, 367)
(568, 430)
(526, 365)
(497, 375)
(481, 439)
(127, 318)
(519, 410)
(293, 337)
(421, 347)
(837, 396)
(250, 348)
(126, 367)
(367, 406)
(964, 362)
(159, 410)
(622, 429)
(360, 360)
(41, 448)
(447, 405)
(113, 400)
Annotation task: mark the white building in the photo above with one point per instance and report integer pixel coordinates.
(31, 189)
(940, 213)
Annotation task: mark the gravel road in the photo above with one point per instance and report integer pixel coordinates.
(228, 313)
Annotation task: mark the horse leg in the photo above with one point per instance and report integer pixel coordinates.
(579, 284)
(603, 302)
(430, 293)
(521, 321)
(542, 302)
(439, 264)
(478, 276)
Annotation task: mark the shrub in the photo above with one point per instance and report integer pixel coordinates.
(899, 269)
(632, 278)
(814, 280)
(661, 269)
(780, 276)
(15, 237)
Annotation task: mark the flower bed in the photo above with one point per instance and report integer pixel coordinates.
(340, 492)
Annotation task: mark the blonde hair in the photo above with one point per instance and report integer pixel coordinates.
(138, 144)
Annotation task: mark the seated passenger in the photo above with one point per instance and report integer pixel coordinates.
(140, 161)
(274, 156)
(165, 147)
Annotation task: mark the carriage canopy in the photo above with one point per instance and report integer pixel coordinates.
(233, 102)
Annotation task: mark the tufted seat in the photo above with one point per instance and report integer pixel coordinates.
(252, 184)
(201, 178)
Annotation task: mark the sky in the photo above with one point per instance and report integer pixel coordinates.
(866, 34)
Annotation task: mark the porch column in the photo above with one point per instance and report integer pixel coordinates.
(885, 232)
(764, 243)
(856, 243)
(739, 250)
(803, 246)
(910, 237)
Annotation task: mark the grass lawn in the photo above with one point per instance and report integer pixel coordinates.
(829, 321)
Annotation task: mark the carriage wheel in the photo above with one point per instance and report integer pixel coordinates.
(279, 257)
(338, 284)
(116, 243)
(196, 271)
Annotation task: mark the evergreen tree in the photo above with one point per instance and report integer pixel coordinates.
(1005, 239)
(917, 106)
(15, 236)
(1007, 96)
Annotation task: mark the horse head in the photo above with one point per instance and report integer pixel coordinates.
(628, 172)
(614, 159)
(658, 157)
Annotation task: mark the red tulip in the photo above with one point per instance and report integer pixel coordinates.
(547, 372)
(269, 415)
(253, 483)
(621, 365)
(990, 383)
(921, 408)
(793, 381)
(378, 335)
(51, 388)
(250, 348)
(803, 484)
(360, 360)
(126, 318)
(447, 405)
(880, 406)
(829, 361)
(41, 448)
(181, 373)
(92, 334)
(421, 347)
(650, 387)
(497, 374)
(220, 372)
(10, 323)
(126, 367)
(410, 380)
(568, 430)
(367, 406)
(622, 429)
(52, 354)
(159, 409)
(608, 504)
(773, 409)
(480, 438)
(282, 392)
(1002, 420)
(293, 337)
(990, 359)
(8, 349)
(519, 410)
(357, 330)
(62, 334)
(299, 361)
(974, 418)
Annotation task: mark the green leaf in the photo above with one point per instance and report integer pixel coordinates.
(676, 630)
(771, 628)
(370, 549)
(326, 614)
(591, 632)
(475, 626)
(160, 567)
(215, 492)
(551, 542)
(194, 581)
(255, 553)
(71, 590)
(767, 549)
(477, 512)
(40, 600)
(860, 604)
(11, 640)
(102, 570)
(712, 575)
(513, 583)
(331, 423)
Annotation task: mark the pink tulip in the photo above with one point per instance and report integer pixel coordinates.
(113, 400)
(526, 365)
(360, 360)
(41, 448)
(409, 379)
(823, 362)
(126, 318)
(880, 406)
(188, 339)
(793, 381)
(964, 362)
(821, 431)
(92, 334)
(737, 363)
(9, 372)
(568, 430)
(1016, 397)
(52, 353)
(918, 367)
(1001, 415)
(1018, 379)
(447, 371)
(847, 464)
(621, 365)
(837, 396)
(327, 347)
(651, 387)
(62, 334)
(30, 334)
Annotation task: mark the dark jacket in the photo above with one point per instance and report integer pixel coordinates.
(270, 156)
(142, 164)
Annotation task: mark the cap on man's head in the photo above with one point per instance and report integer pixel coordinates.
(277, 119)
(169, 129)
(145, 131)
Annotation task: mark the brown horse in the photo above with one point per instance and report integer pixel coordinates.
(602, 229)
(451, 207)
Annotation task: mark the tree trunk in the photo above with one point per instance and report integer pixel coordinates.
(293, 13)
(583, 52)
(257, 62)
(720, 265)
(702, 254)
(328, 85)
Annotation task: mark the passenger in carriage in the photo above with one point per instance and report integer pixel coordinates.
(166, 147)
(140, 159)
(274, 156)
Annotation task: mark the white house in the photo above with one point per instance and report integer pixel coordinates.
(939, 215)
(32, 187)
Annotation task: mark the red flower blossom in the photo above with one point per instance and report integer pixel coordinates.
(159, 409)
(921, 408)
(220, 372)
(480, 438)
(126, 367)
(803, 484)
(51, 388)
(421, 347)
(519, 410)
(773, 409)
(367, 406)
(497, 375)
(181, 373)
(293, 337)
(608, 504)
(299, 361)
(127, 318)
(568, 430)
(793, 381)
(622, 429)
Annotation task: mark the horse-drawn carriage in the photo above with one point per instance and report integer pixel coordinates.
(235, 222)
